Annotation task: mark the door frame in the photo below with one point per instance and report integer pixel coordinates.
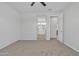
(60, 24)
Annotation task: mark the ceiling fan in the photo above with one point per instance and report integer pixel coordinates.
(43, 3)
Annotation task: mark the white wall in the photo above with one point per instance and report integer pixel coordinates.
(9, 25)
(29, 27)
(71, 26)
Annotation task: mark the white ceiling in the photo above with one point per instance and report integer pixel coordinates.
(24, 7)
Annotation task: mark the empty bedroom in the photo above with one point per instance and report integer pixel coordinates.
(39, 28)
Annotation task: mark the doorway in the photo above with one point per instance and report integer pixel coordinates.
(41, 28)
(53, 27)
(56, 27)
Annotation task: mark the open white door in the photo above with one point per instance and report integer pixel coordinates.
(60, 28)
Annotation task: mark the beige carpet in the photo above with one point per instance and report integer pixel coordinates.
(38, 48)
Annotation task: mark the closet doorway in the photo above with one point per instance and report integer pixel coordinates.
(53, 27)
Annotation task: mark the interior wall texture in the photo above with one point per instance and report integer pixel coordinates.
(28, 27)
(9, 25)
(71, 26)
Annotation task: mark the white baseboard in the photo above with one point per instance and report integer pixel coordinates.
(71, 47)
(7, 43)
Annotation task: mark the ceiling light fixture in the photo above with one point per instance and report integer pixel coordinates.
(43, 3)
